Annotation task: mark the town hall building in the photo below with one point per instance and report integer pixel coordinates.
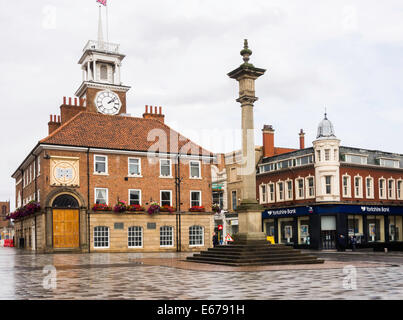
(105, 181)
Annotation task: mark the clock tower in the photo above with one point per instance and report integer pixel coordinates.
(102, 88)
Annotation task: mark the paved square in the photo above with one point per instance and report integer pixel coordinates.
(168, 276)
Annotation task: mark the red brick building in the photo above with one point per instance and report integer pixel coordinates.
(327, 195)
(96, 153)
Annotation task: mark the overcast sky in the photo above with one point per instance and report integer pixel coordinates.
(346, 56)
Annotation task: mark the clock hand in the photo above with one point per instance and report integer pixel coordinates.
(112, 100)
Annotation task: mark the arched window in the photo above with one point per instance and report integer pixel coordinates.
(101, 237)
(135, 237)
(196, 236)
(65, 201)
(104, 72)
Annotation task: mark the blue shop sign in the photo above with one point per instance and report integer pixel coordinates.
(284, 212)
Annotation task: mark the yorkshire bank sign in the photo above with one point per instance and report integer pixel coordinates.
(376, 209)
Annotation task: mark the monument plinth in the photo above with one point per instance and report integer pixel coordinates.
(250, 245)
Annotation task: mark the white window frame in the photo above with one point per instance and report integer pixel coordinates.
(393, 197)
(395, 161)
(170, 191)
(348, 193)
(140, 200)
(330, 184)
(128, 167)
(107, 195)
(385, 188)
(134, 236)
(282, 198)
(95, 235)
(106, 165)
(263, 194)
(297, 189)
(172, 237)
(170, 168)
(39, 167)
(360, 193)
(190, 236)
(364, 158)
(399, 191)
(269, 193)
(194, 191)
(372, 193)
(38, 196)
(307, 195)
(190, 169)
(287, 190)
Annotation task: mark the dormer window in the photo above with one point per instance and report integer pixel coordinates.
(392, 163)
(353, 158)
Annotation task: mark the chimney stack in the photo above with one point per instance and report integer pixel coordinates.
(302, 139)
(156, 116)
(268, 141)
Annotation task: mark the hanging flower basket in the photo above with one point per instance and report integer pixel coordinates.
(101, 207)
(135, 208)
(197, 209)
(27, 210)
(216, 208)
(154, 208)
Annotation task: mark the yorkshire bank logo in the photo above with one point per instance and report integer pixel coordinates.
(374, 209)
(282, 211)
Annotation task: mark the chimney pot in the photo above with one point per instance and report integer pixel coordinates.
(151, 109)
(146, 108)
(156, 110)
(302, 139)
(75, 101)
(64, 100)
(268, 141)
(70, 101)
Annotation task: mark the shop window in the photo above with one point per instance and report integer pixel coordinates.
(135, 237)
(166, 236)
(269, 224)
(196, 236)
(375, 225)
(395, 228)
(303, 227)
(286, 230)
(101, 237)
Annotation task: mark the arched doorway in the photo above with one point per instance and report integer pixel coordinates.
(66, 224)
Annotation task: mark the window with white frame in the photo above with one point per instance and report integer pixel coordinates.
(382, 188)
(346, 186)
(353, 158)
(196, 236)
(369, 187)
(328, 184)
(101, 196)
(280, 191)
(166, 198)
(101, 237)
(358, 187)
(165, 168)
(166, 236)
(195, 169)
(134, 197)
(34, 168)
(39, 166)
(263, 193)
(135, 237)
(299, 183)
(100, 164)
(38, 196)
(271, 193)
(289, 192)
(310, 187)
(134, 166)
(399, 185)
(195, 199)
(391, 189)
(389, 163)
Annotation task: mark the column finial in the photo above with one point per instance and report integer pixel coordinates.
(246, 52)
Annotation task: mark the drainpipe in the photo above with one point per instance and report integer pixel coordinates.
(36, 197)
(88, 201)
(22, 200)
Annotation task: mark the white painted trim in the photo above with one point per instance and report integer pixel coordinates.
(170, 191)
(170, 168)
(348, 195)
(360, 195)
(190, 169)
(107, 195)
(393, 189)
(128, 199)
(307, 196)
(286, 182)
(142, 238)
(385, 188)
(197, 245)
(201, 202)
(106, 165)
(372, 195)
(297, 196)
(128, 167)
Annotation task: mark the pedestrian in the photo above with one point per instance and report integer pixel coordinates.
(342, 243)
(215, 239)
(353, 243)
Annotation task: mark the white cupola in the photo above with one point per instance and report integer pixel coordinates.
(327, 163)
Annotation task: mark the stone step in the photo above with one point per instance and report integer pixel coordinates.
(249, 259)
(258, 263)
(252, 251)
(251, 255)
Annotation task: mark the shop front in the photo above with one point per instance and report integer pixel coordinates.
(328, 227)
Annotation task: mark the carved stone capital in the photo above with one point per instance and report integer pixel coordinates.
(248, 100)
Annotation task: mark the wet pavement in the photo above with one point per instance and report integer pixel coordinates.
(167, 276)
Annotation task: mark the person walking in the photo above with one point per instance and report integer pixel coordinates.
(342, 243)
(215, 239)
(353, 243)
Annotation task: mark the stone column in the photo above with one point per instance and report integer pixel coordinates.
(249, 211)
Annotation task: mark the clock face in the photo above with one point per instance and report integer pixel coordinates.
(64, 172)
(108, 102)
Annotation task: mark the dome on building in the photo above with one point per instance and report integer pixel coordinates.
(325, 129)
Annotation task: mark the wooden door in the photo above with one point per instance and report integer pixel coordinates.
(65, 228)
